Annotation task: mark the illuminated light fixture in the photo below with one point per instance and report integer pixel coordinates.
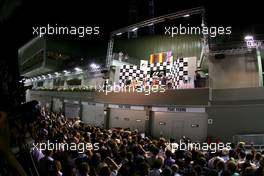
(49, 75)
(39, 78)
(43, 77)
(186, 15)
(250, 41)
(248, 37)
(134, 29)
(119, 34)
(77, 69)
(57, 74)
(66, 72)
(94, 66)
(150, 24)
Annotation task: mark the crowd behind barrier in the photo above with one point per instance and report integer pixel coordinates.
(125, 153)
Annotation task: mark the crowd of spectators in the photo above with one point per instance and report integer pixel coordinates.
(126, 153)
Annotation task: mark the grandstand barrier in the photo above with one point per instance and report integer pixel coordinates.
(251, 140)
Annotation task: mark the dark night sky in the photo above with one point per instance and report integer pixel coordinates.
(111, 15)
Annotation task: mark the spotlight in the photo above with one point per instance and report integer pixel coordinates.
(134, 29)
(248, 37)
(66, 72)
(94, 66)
(78, 69)
(251, 43)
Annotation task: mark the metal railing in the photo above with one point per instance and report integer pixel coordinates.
(250, 139)
(258, 148)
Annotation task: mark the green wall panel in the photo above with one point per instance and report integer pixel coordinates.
(142, 47)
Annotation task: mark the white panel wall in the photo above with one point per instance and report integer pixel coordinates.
(192, 67)
(178, 124)
(234, 71)
(114, 76)
(127, 118)
(28, 97)
(48, 83)
(71, 110)
(57, 105)
(93, 114)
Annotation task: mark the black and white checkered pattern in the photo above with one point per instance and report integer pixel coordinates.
(165, 66)
(130, 72)
(177, 70)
